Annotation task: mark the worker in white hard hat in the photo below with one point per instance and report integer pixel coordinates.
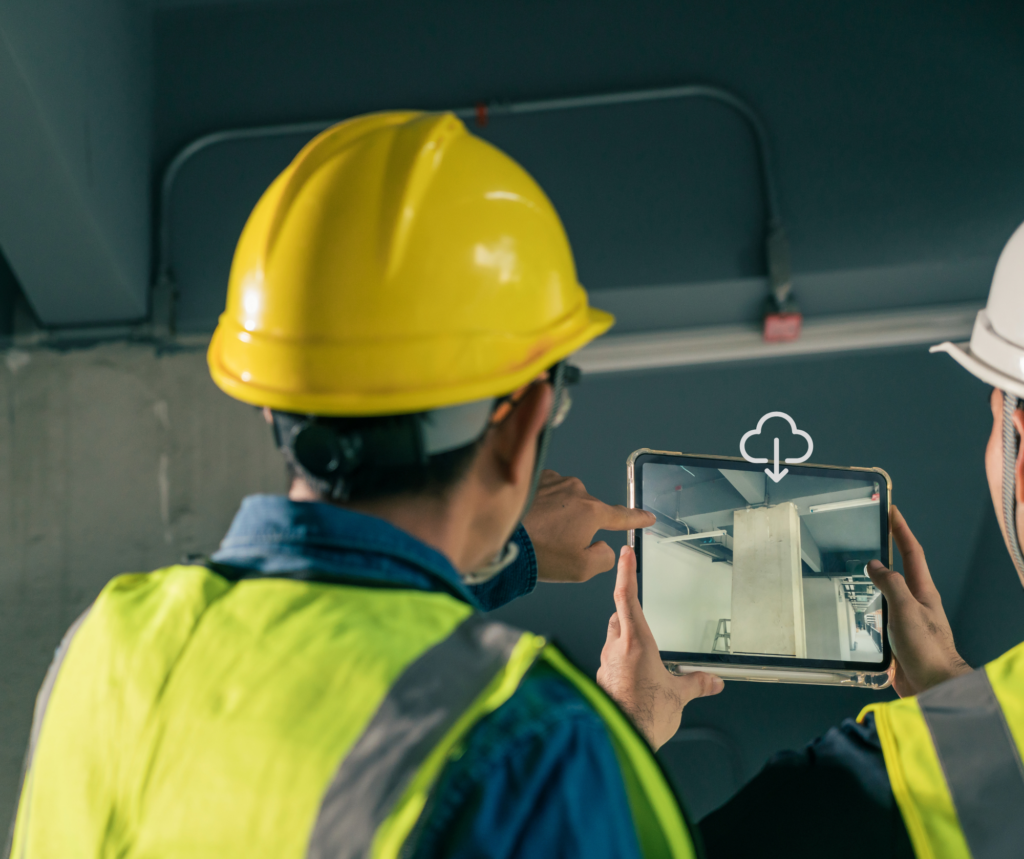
(938, 773)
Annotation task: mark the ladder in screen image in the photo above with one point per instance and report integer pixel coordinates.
(722, 634)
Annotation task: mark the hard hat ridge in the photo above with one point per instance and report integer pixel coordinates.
(313, 157)
(415, 159)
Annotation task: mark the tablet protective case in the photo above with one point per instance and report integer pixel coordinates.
(737, 670)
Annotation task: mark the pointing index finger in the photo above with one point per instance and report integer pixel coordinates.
(619, 518)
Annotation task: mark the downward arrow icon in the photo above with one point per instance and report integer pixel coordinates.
(777, 475)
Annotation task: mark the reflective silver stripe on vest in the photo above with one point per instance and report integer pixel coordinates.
(426, 700)
(42, 701)
(980, 761)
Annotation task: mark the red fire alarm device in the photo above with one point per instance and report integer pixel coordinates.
(780, 327)
(783, 320)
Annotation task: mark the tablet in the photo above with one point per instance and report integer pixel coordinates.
(754, 578)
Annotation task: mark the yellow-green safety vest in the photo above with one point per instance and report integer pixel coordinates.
(189, 715)
(953, 755)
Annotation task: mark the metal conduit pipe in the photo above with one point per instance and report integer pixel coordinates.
(777, 252)
(705, 91)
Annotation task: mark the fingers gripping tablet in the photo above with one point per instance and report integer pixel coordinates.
(758, 579)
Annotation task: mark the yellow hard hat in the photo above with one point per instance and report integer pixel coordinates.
(398, 265)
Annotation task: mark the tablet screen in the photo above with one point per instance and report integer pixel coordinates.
(740, 568)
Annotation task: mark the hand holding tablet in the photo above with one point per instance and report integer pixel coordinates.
(755, 578)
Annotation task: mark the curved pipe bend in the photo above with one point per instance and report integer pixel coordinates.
(705, 91)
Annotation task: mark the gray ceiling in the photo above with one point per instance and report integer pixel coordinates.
(704, 499)
(895, 126)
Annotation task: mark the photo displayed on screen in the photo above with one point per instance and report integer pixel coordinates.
(739, 564)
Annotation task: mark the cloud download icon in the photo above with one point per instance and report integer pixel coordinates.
(776, 475)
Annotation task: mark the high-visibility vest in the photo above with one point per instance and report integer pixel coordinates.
(192, 716)
(953, 755)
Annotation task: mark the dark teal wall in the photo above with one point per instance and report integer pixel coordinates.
(918, 416)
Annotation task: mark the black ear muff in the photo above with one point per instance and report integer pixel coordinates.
(324, 452)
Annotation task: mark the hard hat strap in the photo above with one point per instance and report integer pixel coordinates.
(336, 455)
(330, 452)
(1011, 445)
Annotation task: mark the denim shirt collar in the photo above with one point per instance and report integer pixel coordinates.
(276, 536)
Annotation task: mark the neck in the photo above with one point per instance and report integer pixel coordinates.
(447, 523)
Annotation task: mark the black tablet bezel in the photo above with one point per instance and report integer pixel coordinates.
(738, 464)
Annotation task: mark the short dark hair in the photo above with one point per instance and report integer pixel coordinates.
(388, 461)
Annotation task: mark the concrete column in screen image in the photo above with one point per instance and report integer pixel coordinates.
(767, 582)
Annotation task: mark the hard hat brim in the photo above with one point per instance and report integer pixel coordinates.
(961, 353)
(229, 373)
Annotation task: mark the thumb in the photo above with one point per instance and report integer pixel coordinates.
(627, 602)
(598, 558)
(891, 584)
(700, 684)
(614, 628)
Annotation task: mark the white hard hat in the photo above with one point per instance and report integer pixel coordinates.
(996, 351)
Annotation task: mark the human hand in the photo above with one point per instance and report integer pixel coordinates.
(918, 629)
(562, 522)
(632, 672)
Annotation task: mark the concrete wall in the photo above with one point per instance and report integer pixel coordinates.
(112, 460)
(821, 619)
(767, 583)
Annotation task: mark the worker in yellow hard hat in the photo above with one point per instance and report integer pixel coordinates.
(938, 773)
(402, 305)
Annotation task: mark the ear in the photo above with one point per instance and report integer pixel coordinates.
(1018, 422)
(514, 440)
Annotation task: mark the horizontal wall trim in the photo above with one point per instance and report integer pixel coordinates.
(919, 285)
(640, 351)
(727, 343)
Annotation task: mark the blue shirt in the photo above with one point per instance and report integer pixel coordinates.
(538, 777)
